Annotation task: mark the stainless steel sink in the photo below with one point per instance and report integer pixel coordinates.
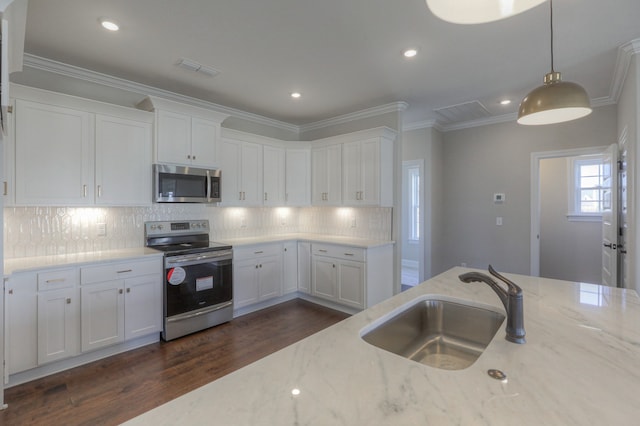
(448, 334)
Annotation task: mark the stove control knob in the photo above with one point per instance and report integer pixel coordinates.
(153, 227)
(159, 226)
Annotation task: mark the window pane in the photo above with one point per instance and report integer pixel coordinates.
(589, 195)
(590, 170)
(590, 182)
(590, 207)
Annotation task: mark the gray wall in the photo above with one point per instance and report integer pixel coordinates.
(569, 250)
(481, 161)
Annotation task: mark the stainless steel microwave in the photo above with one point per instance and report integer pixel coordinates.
(178, 184)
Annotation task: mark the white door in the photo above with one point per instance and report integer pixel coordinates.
(273, 176)
(610, 217)
(204, 146)
(142, 306)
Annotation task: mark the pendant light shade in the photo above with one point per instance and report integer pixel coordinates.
(555, 101)
(478, 11)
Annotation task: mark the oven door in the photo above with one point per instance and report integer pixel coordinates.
(198, 282)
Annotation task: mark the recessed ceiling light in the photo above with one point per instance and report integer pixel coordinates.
(108, 24)
(410, 53)
(505, 102)
(296, 95)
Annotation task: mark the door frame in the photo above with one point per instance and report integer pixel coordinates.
(536, 157)
(424, 265)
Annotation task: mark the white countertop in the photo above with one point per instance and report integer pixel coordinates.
(580, 366)
(313, 238)
(39, 262)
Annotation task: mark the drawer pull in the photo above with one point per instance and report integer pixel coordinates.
(322, 251)
(258, 252)
(68, 301)
(125, 270)
(129, 290)
(349, 254)
(11, 291)
(120, 291)
(56, 280)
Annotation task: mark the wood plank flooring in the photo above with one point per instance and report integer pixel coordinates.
(121, 387)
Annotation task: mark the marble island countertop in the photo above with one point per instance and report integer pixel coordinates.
(580, 366)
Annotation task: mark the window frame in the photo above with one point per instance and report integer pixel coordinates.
(575, 212)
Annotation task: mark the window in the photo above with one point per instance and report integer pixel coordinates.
(589, 194)
(414, 203)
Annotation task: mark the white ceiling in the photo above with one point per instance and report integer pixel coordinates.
(342, 55)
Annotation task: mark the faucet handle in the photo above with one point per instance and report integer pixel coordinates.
(513, 288)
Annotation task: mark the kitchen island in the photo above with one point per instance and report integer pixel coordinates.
(580, 366)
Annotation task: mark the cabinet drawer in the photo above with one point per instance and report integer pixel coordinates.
(115, 271)
(340, 252)
(54, 280)
(253, 252)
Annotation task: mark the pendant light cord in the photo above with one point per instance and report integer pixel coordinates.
(551, 23)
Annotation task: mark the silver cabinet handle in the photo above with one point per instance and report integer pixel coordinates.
(258, 252)
(349, 254)
(84, 190)
(193, 158)
(120, 291)
(129, 290)
(6, 190)
(188, 156)
(99, 191)
(68, 301)
(322, 251)
(10, 291)
(56, 280)
(265, 196)
(124, 270)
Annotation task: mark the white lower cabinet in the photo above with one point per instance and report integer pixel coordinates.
(290, 267)
(304, 267)
(352, 276)
(120, 301)
(257, 274)
(58, 315)
(21, 322)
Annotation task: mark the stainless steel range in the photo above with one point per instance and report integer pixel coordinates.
(198, 282)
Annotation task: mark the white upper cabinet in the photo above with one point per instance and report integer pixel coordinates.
(274, 174)
(241, 173)
(54, 155)
(76, 152)
(123, 161)
(367, 171)
(298, 177)
(326, 175)
(184, 134)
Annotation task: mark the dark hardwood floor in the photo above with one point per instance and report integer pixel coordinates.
(121, 387)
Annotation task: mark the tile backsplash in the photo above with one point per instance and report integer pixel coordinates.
(37, 231)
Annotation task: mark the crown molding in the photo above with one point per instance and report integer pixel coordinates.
(83, 74)
(623, 60)
(425, 124)
(365, 113)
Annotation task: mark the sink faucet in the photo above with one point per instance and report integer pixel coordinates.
(511, 299)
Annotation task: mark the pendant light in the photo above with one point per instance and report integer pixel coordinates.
(555, 101)
(478, 11)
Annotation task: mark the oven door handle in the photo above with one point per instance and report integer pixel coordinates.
(198, 313)
(226, 255)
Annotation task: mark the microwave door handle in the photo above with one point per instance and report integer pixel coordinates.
(208, 186)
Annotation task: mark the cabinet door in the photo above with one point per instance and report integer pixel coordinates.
(102, 315)
(173, 138)
(142, 306)
(251, 174)
(204, 149)
(54, 155)
(123, 161)
(324, 280)
(290, 267)
(21, 326)
(273, 176)
(351, 173)
(58, 324)
(351, 276)
(270, 277)
(334, 175)
(370, 172)
(245, 283)
(304, 267)
(319, 175)
(230, 154)
(298, 177)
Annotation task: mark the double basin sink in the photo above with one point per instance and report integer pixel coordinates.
(445, 333)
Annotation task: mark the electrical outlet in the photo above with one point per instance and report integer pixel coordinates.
(499, 221)
(102, 229)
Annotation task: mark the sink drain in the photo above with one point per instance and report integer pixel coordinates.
(496, 374)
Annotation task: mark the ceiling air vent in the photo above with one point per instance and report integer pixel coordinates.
(194, 66)
(467, 111)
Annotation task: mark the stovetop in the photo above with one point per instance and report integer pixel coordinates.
(181, 237)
